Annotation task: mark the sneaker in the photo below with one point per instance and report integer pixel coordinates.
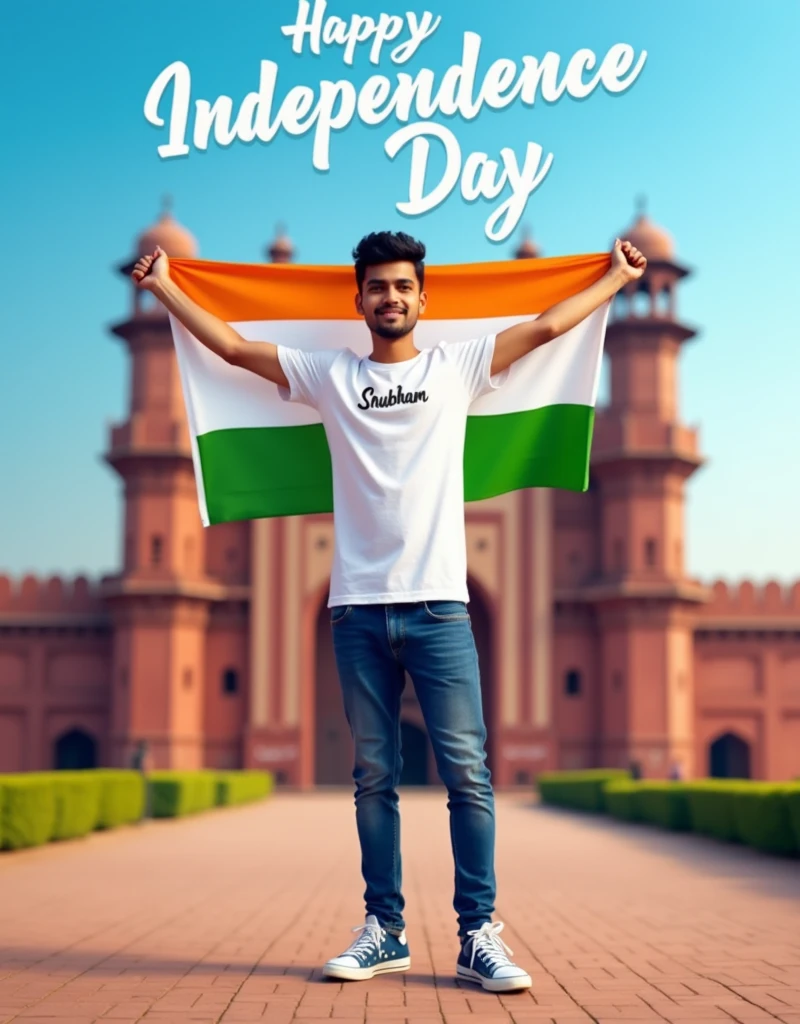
(483, 959)
(375, 951)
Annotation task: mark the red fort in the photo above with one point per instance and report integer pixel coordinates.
(212, 647)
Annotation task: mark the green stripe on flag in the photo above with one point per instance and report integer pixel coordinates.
(254, 472)
(547, 447)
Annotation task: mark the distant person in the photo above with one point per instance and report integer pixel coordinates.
(140, 762)
(675, 772)
(139, 757)
(395, 422)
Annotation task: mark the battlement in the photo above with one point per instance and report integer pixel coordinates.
(55, 594)
(748, 600)
(34, 594)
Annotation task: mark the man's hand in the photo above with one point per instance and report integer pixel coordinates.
(260, 357)
(627, 262)
(151, 271)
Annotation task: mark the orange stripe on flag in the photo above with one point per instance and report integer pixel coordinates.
(281, 291)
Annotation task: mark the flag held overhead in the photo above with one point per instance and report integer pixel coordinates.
(258, 455)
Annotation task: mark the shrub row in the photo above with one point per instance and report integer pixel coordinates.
(764, 815)
(241, 787)
(176, 793)
(582, 791)
(38, 807)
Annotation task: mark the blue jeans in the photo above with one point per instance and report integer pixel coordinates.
(374, 646)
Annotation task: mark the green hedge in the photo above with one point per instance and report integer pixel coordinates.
(578, 790)
(77, 802)
(621, 799)
(174, 794)
(763, 818)
(792, 798)
(764, 815)
(37, 807)
(665, 804)
(759, 814)
(711, 806)
(27, 809)
(241, 787)
(654, 803)
(122, 796)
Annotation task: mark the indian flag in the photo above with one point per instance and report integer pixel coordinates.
(257, 455)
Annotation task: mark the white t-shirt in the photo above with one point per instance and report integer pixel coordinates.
(396, 436)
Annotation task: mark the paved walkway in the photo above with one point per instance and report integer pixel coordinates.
(229, 916)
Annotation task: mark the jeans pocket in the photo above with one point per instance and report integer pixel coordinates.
(340, 612)
(446, 611)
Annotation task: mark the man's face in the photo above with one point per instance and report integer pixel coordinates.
(390, 299)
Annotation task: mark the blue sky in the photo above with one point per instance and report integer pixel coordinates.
(704, 134)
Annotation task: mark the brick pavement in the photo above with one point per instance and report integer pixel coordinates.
(229, 917)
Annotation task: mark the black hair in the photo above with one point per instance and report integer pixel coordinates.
(388, 247)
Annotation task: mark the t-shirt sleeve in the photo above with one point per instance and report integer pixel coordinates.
(307, 372)
(474, 361)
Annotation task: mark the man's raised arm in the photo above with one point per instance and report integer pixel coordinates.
(151, 273)
(627, 264)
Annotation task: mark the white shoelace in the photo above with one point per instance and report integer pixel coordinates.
(494, 950)
(367, 942)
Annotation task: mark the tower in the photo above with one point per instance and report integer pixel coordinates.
(642, 456)
(159, 601)
(272, 736)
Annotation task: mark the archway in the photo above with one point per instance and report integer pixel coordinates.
(482, 631)
(414, 742)
(729, 757)
(75, 749)
(333, 744)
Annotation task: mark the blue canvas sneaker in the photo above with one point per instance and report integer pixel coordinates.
(375, 951)
(484, 960)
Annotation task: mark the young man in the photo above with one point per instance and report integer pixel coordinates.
(395, 423)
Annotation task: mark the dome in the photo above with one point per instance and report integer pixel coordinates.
(651, 240)
(527, 249)
(173, 238)
(281, 249)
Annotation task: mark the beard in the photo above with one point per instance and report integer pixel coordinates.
(404, 325)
